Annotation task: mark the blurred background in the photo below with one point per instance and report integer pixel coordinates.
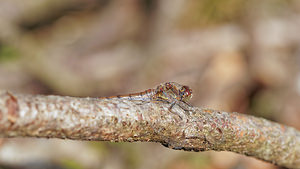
(236, 55)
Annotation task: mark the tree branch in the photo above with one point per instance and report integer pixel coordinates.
(124, 120)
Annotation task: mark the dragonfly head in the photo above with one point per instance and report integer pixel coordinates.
(185, 93)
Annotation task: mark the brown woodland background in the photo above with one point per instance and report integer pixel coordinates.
(236, 55)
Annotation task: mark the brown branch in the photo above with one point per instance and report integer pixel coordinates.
(125, 120)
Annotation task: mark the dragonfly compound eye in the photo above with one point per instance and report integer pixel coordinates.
(186, 93)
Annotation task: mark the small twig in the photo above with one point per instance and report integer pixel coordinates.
(124, 120)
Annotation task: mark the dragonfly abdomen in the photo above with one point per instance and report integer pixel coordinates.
(146, 95)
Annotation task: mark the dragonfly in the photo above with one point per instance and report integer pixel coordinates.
(169, 92)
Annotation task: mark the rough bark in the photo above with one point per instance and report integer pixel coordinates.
(124, 120)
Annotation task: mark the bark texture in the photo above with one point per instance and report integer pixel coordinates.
(122, 120)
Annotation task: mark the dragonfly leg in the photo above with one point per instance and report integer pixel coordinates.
(172, 105)
(185, 106)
